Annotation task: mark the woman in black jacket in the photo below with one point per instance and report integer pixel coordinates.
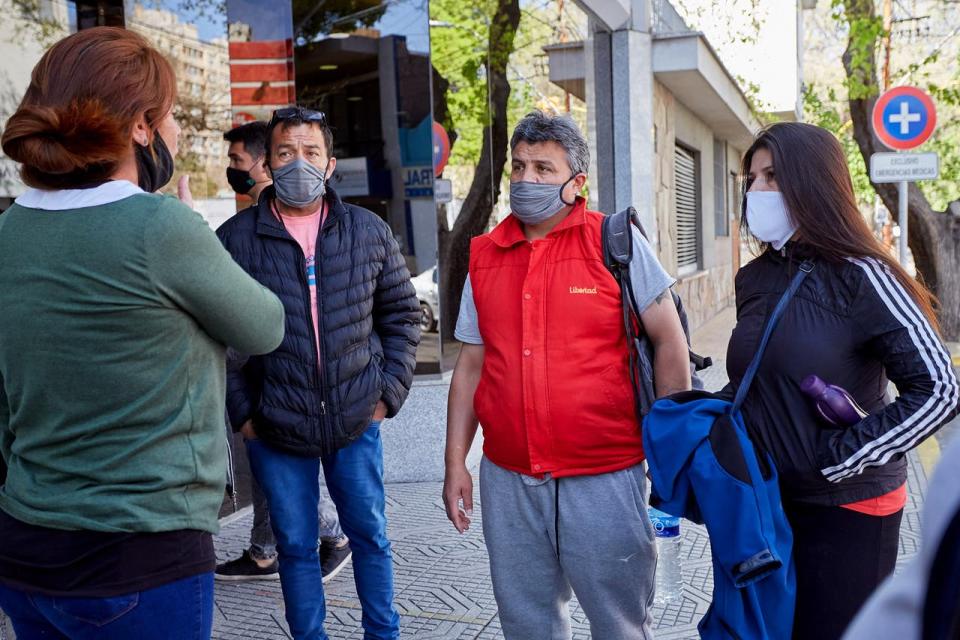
(858, 321)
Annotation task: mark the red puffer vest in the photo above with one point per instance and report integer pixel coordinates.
(554, 395)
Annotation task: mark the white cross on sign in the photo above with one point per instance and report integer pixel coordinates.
(904, 118)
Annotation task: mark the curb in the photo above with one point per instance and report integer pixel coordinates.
(233, 517)
(929, 454)
(954, 349)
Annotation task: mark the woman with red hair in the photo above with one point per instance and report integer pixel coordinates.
(116, 305)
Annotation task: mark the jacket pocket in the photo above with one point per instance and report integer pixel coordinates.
(345, 368)
(617, 391)
(357, 388)
(379, 360)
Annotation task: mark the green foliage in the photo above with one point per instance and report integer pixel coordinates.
(459, 37)
(942, 192)
(824, 111)
(865, 31)
(37, 23)
(458, 42)
(946, 142)
(729, 14)
(761, 109)
(202, 183)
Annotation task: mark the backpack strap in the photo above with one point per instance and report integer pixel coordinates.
(751, 372)
(616, 232)
(617, 239)
(617, 244)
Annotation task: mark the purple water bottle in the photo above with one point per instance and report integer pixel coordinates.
(832, 402)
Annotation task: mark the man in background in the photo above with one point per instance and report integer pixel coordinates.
(248, 175)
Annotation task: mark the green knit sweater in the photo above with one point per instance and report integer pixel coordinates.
(113, 321)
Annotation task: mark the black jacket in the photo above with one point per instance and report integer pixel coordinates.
(855, 326)
(369, 328)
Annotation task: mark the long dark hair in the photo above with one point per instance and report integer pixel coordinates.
(812, 174)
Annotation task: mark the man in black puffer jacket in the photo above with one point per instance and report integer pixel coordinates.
(345, 364)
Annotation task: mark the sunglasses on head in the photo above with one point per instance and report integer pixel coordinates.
(298, 113)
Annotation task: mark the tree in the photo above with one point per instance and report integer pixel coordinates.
(454, 243)
(934, 235)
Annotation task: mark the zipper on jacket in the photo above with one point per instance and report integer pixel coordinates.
(327, 222)
(318, 359)
(313, 334)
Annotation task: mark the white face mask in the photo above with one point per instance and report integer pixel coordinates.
(769, 219)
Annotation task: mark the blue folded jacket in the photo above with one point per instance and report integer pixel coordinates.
(705, 468)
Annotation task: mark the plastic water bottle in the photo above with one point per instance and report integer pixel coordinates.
(833, 403)
(669, 586)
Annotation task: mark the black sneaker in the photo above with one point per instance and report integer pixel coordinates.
(333, 559)
(246, 568)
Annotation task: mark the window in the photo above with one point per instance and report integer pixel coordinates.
(99, 13)
(687, 212)
(734, 195)
(721, 219)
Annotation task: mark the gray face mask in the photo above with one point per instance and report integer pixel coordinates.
(299, 183)
(535, 202)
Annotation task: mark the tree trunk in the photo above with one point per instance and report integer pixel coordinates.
(934, 237)
(485, 187)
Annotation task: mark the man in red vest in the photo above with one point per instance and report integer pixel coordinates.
(544, 368)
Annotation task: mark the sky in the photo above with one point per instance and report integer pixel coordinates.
(402, 17)
(769, 56)
(409, 18)
(207, 15)
(275, 24)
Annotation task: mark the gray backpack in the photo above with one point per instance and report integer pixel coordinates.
(617, 238)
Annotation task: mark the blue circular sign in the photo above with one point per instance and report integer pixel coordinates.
(905, 117)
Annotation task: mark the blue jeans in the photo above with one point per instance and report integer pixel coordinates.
(354, 477)
(263, 546)
(181, 609)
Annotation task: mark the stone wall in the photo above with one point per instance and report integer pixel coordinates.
(664, 140)
(710, 290)
(706, 294)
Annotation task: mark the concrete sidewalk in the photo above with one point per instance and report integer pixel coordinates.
(443, 586)
(443, 582)
(442, 578)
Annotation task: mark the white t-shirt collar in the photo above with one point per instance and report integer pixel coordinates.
(63, 199)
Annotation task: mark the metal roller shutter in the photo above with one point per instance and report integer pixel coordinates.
(721, 226)
(687, 214)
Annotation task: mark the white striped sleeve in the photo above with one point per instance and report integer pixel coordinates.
(915, 360)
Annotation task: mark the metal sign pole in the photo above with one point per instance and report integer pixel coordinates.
(904, 223)
(892, 118)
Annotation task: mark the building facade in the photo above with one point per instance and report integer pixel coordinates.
(675, 124)
(406, 86)
(24, 36)
(203, 84)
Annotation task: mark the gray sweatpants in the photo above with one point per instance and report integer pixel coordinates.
(583, 535)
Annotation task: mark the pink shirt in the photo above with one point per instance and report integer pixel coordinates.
(304, 230)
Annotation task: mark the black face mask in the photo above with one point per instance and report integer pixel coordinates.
(240, 180)
(153, 169)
